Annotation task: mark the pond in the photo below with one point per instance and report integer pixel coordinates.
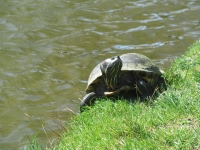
(48, 49)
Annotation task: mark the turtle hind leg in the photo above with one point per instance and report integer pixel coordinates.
(162, 84)
(143, 89)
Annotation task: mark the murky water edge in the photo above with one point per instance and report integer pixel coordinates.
(47, 51)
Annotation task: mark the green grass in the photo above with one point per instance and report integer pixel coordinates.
(34, 144)
(171, 121)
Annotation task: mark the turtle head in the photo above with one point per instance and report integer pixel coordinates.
(111, 69)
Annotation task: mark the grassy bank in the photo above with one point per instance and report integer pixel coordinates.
(171, 121)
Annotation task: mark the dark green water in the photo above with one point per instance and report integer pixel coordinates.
(48, 48)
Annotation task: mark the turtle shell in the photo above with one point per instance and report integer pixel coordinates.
(138, 63)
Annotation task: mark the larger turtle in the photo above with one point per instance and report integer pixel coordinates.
(128, 72)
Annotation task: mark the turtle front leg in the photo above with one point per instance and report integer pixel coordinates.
(143, 88)
(117, 92)
(89, 100)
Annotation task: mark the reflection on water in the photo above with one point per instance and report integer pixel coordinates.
(47, 51)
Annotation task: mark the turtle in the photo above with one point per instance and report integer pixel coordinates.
(128, 72)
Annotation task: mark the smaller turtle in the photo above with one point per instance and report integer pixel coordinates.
(128, 72)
